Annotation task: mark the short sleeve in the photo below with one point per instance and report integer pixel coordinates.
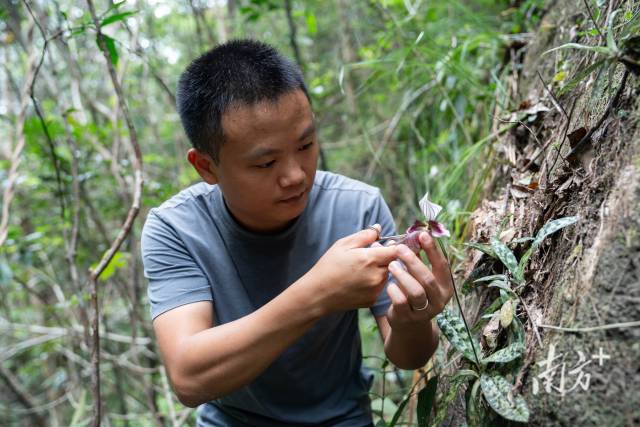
(382, 215)
(174, 277)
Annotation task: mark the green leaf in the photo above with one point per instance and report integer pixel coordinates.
(312, 25)
(553, 226)
(501, 284)
(116, 18)
(453, 329)
(110, 44)
(516, 331)
(549, 228)
(399, 411)
(497, 390)
(426, 396)
(580, 77)
(505, 255)
(491, 278)
(598, 49)
(474, 406)
(611, 41)
(119, 260)
(504, 355)
(81, 407)
(486, 249)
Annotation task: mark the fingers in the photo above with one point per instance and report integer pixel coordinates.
(436, 258)
(414, 291)
(416, 268)
(364, 238)
(399, 301)
(382, 255)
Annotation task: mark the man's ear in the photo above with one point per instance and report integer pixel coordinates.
(204, 165)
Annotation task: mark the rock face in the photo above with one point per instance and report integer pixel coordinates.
(585, 278)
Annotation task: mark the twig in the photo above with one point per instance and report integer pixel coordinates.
(126, 227)
(586, 4)
(23, 396)
(606, 113)
(12, 175)
(564, 137)
(594, 328)
(533, 323)
(38, 110)
(554, 100)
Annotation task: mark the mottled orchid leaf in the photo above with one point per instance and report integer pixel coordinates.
(517, 331)
(501, 284)
(553, 226)
(505, 255)
(426, 397)
(549, 228)
(491, 278)
(486, 249)
(497, 391)
(453, 329)
(504, 355)
(474, 406)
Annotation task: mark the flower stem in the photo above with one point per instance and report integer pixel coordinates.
(455, 292)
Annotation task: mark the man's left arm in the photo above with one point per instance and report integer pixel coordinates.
(409, 334)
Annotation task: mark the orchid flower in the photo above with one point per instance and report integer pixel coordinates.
(430, 211)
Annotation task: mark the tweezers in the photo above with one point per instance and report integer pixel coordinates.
(396, 237)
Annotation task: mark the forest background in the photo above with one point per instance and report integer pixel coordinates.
(410, 96)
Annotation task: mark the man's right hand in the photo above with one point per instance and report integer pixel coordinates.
(351, 274)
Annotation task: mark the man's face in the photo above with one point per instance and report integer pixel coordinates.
(268, 162)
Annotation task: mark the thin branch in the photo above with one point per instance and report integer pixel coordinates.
(554, 100)
(126, 227)
(23, 396)
(292, 34)
(586, 4)
(594, 328)
(40, 114)
(12, 175)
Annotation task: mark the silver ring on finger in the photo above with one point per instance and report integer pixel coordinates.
(376, 230)
(426, 304)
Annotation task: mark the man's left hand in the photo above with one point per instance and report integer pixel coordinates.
(418, 286)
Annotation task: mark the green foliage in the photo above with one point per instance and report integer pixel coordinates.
(453, 329)
(474, 408)
(507, 354)
(549, 228)
(426, 397)
(504, 254)
(497, 390)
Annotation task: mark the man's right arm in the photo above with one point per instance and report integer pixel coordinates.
(205, 362)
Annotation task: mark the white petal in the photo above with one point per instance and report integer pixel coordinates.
(429, 210)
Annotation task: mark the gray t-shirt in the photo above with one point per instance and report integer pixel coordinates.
(194, 250)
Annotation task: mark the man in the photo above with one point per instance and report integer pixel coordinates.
(256, 275)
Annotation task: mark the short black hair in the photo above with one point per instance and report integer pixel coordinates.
(239, 72)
